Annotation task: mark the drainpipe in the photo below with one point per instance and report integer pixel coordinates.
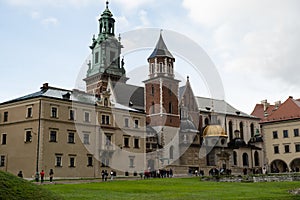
(38, 142)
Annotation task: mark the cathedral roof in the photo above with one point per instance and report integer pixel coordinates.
(214, 130)
(161, 49)
(220, 106)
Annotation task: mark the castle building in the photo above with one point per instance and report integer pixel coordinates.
(280, 128)
(125, 128)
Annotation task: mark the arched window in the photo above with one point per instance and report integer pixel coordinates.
(170, 68)
(160, 67)
(171, 152)
(230, 130)
(241, 130)
(252, 129)
(234, 158)
(152, 90)
(256, 158)
(245, 159)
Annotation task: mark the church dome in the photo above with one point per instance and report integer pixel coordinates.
(187, 125)
(214, 130)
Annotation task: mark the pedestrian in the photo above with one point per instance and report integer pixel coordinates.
(105, 175)
(111, 175)
(20, 174)
(42, 174)
(171, 173)
(51, 174)
(102, 175)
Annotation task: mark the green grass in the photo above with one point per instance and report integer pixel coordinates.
(13, 187)
(185, 188)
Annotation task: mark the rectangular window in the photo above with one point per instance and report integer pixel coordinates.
(3, 138)
(54, 112)
(86, 138)
(105, 162)
(53, 136)
(126, 122)
(58, 161)
(86, 116)
(296, 132)
(29, 112)
(28, 136)
(71, 138)
(297, 147)
(72, 114)
(275, 135)
(2, 161)
(286, 148)
(5, 117)
(285, 134)
(126, 141)
(276, 149)
(131, 161)
(72, 161)
(96, 57)
(136, 143)
(108, 139)
(112, 56)
(105, 119)
(90, 161)
(136, 123)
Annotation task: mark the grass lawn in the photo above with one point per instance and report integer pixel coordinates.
(175, 188)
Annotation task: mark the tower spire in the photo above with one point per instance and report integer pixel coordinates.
(107, 2)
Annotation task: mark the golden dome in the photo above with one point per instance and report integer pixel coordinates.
(214, 130)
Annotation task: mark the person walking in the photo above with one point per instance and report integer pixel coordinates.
(51, 174)
(42, 174)
(20, 174)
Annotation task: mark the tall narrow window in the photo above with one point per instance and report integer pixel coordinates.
(275, 135)
(108, 138)
(90, 161)
(252, 129)
(297, 147)
(71, 138)
(3, 138)
(153, 108)
(58, 160)
(234, 158)
(136, 143)
(29, 112)
(2, 161)
(160, 67)
(72, 114)
(170, 107)
(28, 136)
(245, 159)
(241, 130)
(152, 90)
(286, 148)
(126, 141)
(126, 122)
(86, 138)
(72, 161)
(136, 123)
(131, 161)
(86, 116)
(96, 57)
(285, 134)
(296, 132)
(53, 136)
(54, 112)
(256, 159)
(5, 116)
(276, 149)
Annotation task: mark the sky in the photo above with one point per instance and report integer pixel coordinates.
(254, 44)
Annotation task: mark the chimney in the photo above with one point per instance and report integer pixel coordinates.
(277, 104)
(265, 104)
(45, 86)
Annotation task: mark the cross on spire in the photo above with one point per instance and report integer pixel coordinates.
(107, 4)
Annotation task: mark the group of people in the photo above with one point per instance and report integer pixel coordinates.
(161, 173)
(40, 175)
(104, 175)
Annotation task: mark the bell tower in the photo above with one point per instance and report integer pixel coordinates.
(106, 50)
(161, 88)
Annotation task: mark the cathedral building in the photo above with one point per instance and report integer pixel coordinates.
(128, 129)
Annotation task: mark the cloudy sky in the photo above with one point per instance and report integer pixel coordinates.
(254, 44)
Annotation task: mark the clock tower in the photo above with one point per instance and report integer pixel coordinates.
(105, 63)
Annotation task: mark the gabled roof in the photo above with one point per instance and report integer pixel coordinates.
(290, 109)
(219, 106)
(161, 49)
